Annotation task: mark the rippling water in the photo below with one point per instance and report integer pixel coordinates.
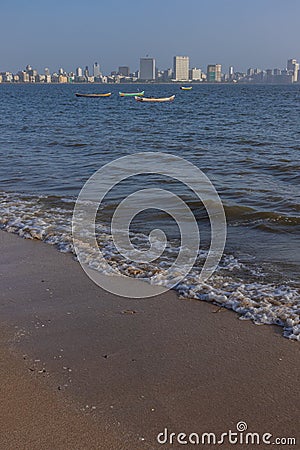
(245, 138)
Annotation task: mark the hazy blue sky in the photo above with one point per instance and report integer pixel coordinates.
(70, 33)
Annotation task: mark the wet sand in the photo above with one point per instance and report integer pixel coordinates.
(84, 369)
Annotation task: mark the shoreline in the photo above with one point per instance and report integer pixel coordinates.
(250, 286)
(128, 366)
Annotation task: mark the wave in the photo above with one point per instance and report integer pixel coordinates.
(256, 217)
(235, 285)
(251, 216)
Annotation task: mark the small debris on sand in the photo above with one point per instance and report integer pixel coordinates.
(129, 311)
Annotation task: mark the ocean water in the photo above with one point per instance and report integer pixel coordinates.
(246, 139)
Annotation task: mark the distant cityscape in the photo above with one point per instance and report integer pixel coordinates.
(148, 72)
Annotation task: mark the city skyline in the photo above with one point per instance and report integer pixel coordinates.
(148, 71)
(101, 65)
(96, 66)
(259, 34)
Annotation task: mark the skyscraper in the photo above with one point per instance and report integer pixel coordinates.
(181, 68)
(291, 63)
(147, 69)
(79, 72)
(218, 73)
(195, 74)
(124, 70)
(96, 70)
(214, 73)
(167, 75)
(293, 66)
(231, 73)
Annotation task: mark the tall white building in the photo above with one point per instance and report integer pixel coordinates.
(231, 73)
(195, 74)
(181, 68)
(147, 69)
(96, 70)
(79, 72)
(293, 66)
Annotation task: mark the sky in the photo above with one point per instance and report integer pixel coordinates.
(72, 33)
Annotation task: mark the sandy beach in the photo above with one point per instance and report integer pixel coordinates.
(83, 369)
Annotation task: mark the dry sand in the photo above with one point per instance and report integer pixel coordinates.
(83, 369)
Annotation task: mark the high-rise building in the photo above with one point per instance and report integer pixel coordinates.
(195, 74)
(181, 68)
(211, 73)
(32, 73)
(214, 73)
(231, 73)
(79, 72)
(291, 63)
(269, 78)
(96, 70)
(296, 73)
(218, 73)
(167, 75)
(147, 68)
(293, 67)
(86, 72)
(24, 77)
(124, 70)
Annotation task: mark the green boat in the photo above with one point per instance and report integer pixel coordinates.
(131, 94)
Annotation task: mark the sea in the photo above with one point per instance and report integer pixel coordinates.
(246, 140)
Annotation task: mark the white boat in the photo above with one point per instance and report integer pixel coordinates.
(155, 99)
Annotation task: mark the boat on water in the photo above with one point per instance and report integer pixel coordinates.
(186, 88)
(107, 94)
(155, 99)
(131, 94)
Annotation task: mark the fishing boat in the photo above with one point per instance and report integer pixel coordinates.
(153, 99)
(131, 94)
(186, 88)
(107, 94)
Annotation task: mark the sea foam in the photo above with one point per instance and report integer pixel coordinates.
(234, 285)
